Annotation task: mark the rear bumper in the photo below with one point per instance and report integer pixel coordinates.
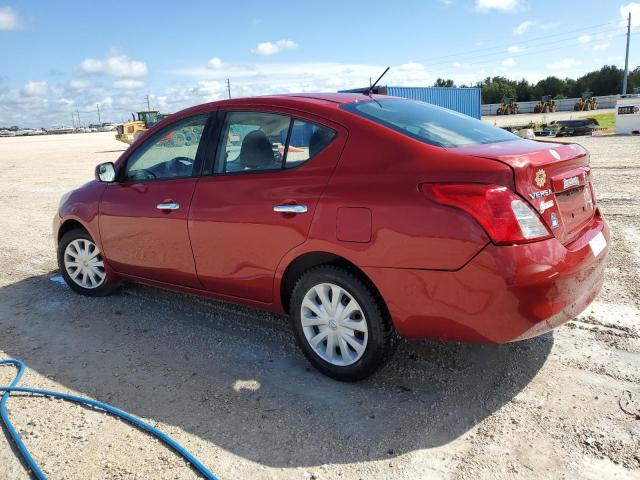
(504, 294)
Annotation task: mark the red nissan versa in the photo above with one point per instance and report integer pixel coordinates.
(363, 217)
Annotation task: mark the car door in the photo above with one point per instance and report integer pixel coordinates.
(270, 170)
(143, 216)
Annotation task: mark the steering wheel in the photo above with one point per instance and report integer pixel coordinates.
(183, 160)
(143, 174)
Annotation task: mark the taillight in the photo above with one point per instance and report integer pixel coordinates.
(505, 216)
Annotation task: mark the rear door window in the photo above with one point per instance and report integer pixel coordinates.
(305, 141)
(260, 141)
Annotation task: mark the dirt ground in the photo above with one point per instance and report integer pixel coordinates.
(229, 384)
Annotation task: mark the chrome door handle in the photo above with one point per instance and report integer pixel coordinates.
(168, 206)
(290, 208)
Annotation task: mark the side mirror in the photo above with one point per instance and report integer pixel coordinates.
(106, 172)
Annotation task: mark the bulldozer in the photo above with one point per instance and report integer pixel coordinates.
(545, 105)
(587, 102)
(507, 107)
(129, 132)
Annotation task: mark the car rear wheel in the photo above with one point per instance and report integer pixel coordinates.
(82, 265)
(340, 325)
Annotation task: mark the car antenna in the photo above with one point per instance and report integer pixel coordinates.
(370, 89)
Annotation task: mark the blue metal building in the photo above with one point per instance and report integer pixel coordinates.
(463, 100)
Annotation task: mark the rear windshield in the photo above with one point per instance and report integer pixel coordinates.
(428, 123)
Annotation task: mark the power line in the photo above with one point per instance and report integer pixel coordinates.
(537, 52)
(524, 40)
(562, 41)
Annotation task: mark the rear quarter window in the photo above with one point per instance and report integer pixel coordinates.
(428, 123)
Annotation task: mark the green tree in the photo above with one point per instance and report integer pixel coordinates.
(550, 86)
(634, 80)
(606, 81)
(524, 91)
(496, 88)
(441, 82)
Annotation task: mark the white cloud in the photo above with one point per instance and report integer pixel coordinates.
(584, 38)
(456, 65)
(79, 84)
(523, 27)
(265, 78)
(412, 67)
(509, 62)
(565, 63)
(9, 19)
(500, 5)
(34, 89)
(115, 65)
(601, 46)
(634, 9)
(514, 49)
(270, 48)
(210, 90)
(128, 84)
(215, 62)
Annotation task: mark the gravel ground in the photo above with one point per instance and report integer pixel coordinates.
(229, 384)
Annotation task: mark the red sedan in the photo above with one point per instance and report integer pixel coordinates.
(363, 217)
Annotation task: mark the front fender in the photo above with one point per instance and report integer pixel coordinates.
(83, 206)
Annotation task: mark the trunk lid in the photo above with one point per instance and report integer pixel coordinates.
(553, 177)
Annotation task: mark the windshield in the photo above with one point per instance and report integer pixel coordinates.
(428, 123)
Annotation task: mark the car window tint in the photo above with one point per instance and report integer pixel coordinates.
(428, 123)
(305, 141)
(168, 154)
(252, 141)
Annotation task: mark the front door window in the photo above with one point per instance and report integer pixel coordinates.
(168, 154)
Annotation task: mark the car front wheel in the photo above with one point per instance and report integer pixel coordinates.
(340, 325)
(82, 265)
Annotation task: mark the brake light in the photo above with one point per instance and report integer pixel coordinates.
(505, 216)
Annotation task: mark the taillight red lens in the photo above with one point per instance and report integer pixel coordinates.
(505, 216)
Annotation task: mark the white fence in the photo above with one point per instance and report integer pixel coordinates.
(564, 105)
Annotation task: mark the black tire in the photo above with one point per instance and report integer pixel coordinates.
(382, 338)
(106, 288)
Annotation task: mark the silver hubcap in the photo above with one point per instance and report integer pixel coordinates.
(334, 324)
(84, 264)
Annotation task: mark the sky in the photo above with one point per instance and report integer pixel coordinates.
(59, 57)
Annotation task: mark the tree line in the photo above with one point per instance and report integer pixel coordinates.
(606, 81)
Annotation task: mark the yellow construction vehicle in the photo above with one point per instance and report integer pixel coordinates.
(587, 102)
(129, 132)
(545, 105)
(507, 107)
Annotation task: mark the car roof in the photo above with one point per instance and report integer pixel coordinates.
(338, 98)
(320, 103)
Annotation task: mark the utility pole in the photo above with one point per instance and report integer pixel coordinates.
(78, 114)
(626, 59)
(229, 87)
(73, 120)
(98, 107)
(148, 104)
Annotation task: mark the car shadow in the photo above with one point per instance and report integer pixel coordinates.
(233, 376)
